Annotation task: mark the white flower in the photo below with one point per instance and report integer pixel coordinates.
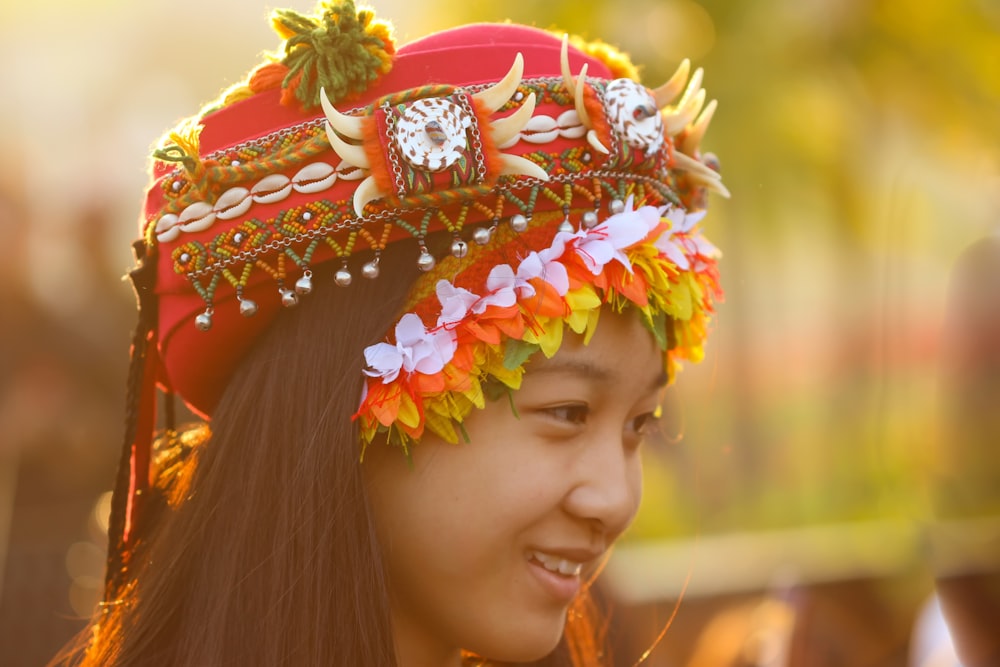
(416, 350)
(678, 244)
(455, 303)
(500, 286)
(608, 240)
(540, 265)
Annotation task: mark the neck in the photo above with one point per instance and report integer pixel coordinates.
(416, 647)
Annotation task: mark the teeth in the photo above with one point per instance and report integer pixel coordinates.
(564, 567)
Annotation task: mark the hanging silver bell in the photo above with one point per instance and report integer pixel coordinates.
(566, 226)
(288, 298)
(370, 269)
(304, 285)
(426, 260)
(589, 219)
(342, 277)
(248, 307)
(616, 206)
(203, 322)
(482, 235)
(518, 222)
(459, 248)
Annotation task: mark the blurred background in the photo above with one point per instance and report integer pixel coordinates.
(806, 465)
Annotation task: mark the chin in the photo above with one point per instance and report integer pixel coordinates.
(523, 644)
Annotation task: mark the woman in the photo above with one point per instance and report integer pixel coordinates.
(485, 256)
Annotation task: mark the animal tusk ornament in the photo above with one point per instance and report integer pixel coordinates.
(497, 95)
(666, 93)
(350, 153)
(515, 165)
(349, 126)
(367, 191)
(507, 128)
(692, 140)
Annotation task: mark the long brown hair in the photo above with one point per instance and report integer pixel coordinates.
(271, 558)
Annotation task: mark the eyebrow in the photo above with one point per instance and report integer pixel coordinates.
(587, 370)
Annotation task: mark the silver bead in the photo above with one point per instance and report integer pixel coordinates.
(289, 298)
(589, 219)
(459, 248)
(343, 277)
(248, 307)
(566, 226)
(518, 222)
(204, 321)
(370, 269)
(482, 235)
(616, 206)
(426, 260)
(304, 285)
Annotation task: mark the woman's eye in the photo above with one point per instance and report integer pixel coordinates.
(575, 414)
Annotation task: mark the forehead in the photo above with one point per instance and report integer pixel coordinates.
(621, 350)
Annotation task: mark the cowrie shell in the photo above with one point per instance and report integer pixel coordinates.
(314, 177)
(271, 189)
(233, 203)
(570, 125)
(167, 229)
(348, 172)
(197, 217)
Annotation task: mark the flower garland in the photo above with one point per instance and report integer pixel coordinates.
(652, 258)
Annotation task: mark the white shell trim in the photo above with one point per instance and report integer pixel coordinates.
(542, 129)
(235, 202)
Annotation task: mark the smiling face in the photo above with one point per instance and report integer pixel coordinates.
(486, 543)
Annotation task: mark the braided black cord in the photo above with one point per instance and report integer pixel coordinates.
(143, 278)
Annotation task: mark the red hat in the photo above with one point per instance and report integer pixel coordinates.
(341, 145)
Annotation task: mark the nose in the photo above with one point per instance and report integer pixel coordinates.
(608, 484)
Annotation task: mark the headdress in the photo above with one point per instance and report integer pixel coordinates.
(562, 182)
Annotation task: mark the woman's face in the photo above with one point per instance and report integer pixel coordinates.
(486, 543)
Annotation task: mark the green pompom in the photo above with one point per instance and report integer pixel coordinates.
(343, 50)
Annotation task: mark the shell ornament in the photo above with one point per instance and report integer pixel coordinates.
(645, 121)
(433, 143)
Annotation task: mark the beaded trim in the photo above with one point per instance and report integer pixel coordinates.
(581, 177)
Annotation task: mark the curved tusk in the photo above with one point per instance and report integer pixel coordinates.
(581, 108)
(515, 165)
(367, 191)
(349, 126)
(350, 153)
(595, 143)
(696, 167)
(497, 95)
(567, 75)
(711, 184)
(676, 121)
(507, 128)
(666, 93)
(692, 140)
